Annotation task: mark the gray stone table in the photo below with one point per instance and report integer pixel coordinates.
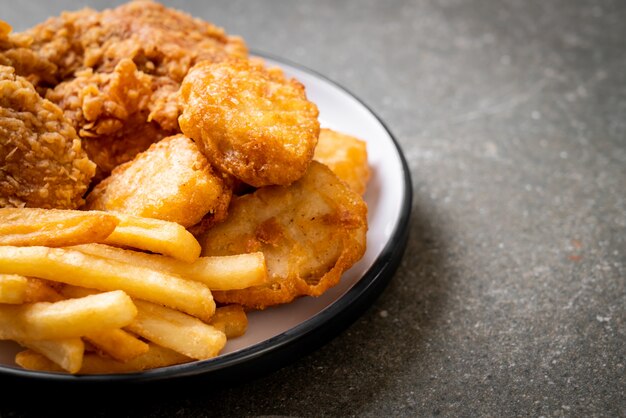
(510, 299)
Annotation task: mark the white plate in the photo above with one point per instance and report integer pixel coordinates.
(279, 334)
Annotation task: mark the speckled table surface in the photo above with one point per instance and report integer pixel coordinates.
(510, 300)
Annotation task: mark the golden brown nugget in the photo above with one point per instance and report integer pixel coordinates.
(346, 156)
(249, 121)
(171, 181)
(310, 233)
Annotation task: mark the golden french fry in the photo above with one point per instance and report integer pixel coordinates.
(31, 360)
(218, 273)
(118, 344)
(67, 318)
(177, 331)
(65, 352)
(54, 227)
(17, 289)
(79, 269)
(231, 320)
(155, 357)
(157, 236)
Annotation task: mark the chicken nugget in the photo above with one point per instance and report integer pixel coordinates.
(42, 162)
(171, 181)
(309, 232)
(249, 121)
(346, 156)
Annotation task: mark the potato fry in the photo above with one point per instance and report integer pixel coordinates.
(54, 227)
(67, 318)
(117, 344)
(79, 269)
(218, 273)
(17, 289)
(65, 352)
(157, 236)
(155, 357)
(177, 331)
(231, 320)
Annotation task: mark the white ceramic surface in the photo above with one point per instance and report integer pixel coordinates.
(385, 194)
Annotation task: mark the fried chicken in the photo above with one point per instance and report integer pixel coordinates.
(346, 156)
(120, 71)
(42, 163)
(249, 121)
(171, 181)
(310, 233)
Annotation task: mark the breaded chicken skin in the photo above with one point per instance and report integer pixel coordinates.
(42, 163)
(310, 233)
(249, 121)
(171, 181)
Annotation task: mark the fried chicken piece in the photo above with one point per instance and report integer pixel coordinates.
(310, 233)
(42, 163)
(110, 112)
(346, 156)
(249, 121)
(171, 181)
(15, 52)
(121, 69)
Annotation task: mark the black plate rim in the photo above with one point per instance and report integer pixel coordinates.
(284, 348)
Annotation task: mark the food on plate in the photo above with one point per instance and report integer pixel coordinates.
(66, 352)
(42, 163)
(346, 156)
(249, 121)
(76, 268)
(172, 181)
(310, 233)
(156, 356)
(218, 273)
(87, 46)
(156, 184)
(16, 289)
(54, 227)
(66, 318)
(231, 320)
(155, 235)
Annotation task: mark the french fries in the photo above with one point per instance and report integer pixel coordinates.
(163, 237)
(79, 269)
(117, 343)
(218, 273)
(231, 320)
(65, 352)
(175, 330)
(16, 289)
(67, 318)
(54, 227)
(156, 356)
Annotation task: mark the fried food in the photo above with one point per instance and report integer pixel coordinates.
(310, 233)
(73, 267)
(231, 320)
(120, 71)
(249, 121)
(346, 156)
(65, 352)
(16, 289)
(41, 158)
(171, 181)
(54, 227)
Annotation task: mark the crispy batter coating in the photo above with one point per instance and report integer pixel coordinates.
(346, 156)
(249, 121)
(120, 71)
(171, 181)
(310, 233)
(42, 163)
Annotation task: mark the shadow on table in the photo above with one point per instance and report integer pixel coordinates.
(389, 336)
